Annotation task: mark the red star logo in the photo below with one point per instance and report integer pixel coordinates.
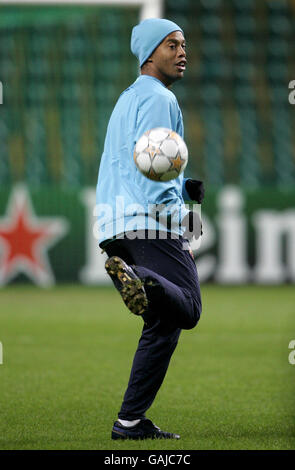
(25, 239)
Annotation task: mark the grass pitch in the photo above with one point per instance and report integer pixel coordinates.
(67, 354)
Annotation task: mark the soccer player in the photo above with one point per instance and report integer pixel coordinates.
(155, 273)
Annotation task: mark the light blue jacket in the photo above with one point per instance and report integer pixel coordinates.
(125, 197)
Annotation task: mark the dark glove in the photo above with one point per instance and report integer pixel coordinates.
(195, 190)
(192, 225)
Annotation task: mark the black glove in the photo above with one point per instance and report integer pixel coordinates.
(192, 225)
(195, 190)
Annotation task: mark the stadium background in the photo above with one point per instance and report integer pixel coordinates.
(62, 69)
(65, 351)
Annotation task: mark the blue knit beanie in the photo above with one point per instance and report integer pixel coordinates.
(148, 34)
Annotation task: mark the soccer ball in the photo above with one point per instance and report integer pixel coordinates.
(160, 154)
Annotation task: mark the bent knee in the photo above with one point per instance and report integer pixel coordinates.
(194, 316)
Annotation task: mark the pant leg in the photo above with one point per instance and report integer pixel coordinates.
(148, 370)
(165, 262)
(170, 275)
(169, 302)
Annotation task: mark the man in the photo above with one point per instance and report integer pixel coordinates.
(155, 274)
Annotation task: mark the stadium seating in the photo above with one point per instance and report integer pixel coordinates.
(63, 69)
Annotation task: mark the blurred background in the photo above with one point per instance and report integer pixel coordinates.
(62, 68)
(65, 351)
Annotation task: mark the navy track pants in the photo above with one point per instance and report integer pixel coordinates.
(172, 286)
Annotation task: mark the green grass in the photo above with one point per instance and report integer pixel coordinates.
(67, 354)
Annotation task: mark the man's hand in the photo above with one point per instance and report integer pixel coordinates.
(192, 225)
(195, 190)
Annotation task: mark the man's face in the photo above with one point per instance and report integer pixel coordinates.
(169, 59)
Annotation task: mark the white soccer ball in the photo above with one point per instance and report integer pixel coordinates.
(160, 154)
